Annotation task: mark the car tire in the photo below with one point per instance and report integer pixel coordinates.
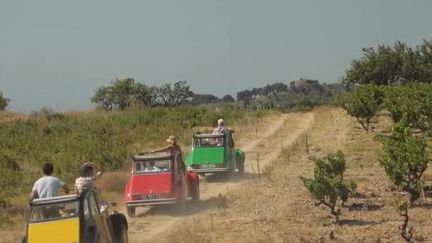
(131, 211)
(119, 227)
(240, 167)
(196, 193)
(124, 235)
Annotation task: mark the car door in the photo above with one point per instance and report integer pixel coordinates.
(99, 219)
(90, 231)
(180, 180)
(229, 151)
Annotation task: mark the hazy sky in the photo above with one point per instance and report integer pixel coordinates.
(56, 53)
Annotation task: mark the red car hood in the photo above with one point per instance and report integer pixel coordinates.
(156, 183)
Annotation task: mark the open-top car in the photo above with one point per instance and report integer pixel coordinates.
(74, 218)
(159, 179)
(213, 153)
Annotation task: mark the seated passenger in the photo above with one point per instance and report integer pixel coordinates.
(138, 167)
(150, 166)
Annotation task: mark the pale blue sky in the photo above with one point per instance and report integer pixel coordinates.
(56, 53)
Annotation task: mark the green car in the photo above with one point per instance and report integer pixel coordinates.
(214, 154)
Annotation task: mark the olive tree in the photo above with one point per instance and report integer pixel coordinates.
(328, 185)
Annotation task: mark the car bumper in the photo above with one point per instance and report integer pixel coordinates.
(149, 202)
(209, 170)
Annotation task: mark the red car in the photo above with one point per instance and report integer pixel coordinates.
(159, 179)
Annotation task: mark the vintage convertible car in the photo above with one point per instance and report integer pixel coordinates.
(215, 153)
(159, 179)
(74, 218)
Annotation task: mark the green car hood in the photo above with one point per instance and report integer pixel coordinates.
(206, 156)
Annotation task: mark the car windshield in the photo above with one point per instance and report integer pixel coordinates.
(208, 142)
(54, 211)
(152, 166)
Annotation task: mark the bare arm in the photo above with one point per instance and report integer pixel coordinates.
(33, 195)
(65, 189)
(166, 149)
(96, 166)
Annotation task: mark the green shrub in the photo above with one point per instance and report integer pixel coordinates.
(363, 104)
(405, 159)
(328, 185)
(107, 138)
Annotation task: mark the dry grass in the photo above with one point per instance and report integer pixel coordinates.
(277, 208)
(9, 116)
(112, 183)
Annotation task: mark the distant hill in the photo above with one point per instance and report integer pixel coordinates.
(296, 95)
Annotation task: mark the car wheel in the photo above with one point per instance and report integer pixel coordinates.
(119, 227)
(181, 205)
(131, 211)
(241, 167)
(181, 199)
(196, 193)
(124, 235)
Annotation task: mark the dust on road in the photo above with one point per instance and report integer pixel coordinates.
(264, 145)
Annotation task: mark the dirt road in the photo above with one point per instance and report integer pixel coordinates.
(263, 146)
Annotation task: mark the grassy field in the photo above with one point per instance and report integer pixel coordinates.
(107, 138)
(278, 208)
(273, 208)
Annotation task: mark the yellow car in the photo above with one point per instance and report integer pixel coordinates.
(74, 218)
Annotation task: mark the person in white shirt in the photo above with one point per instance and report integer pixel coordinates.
(220, 129)
(48, 185)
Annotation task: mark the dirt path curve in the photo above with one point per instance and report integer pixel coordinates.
(267, 145)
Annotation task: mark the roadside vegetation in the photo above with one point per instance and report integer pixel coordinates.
(107, 138)
(396, 81)
(328, 186)
(3, 102)
(276, 207)
(391, 99)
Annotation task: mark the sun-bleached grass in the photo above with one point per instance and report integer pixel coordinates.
(277, 208)
(107, 138)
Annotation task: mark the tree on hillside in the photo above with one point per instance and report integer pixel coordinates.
(227, 99)
(119, 94)
(122, 93)
(393, 64)
(146, 95)
(405, 159)
(4, 102)
(173, 94)
(328, 185)
(201, 99)
(245, 96)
